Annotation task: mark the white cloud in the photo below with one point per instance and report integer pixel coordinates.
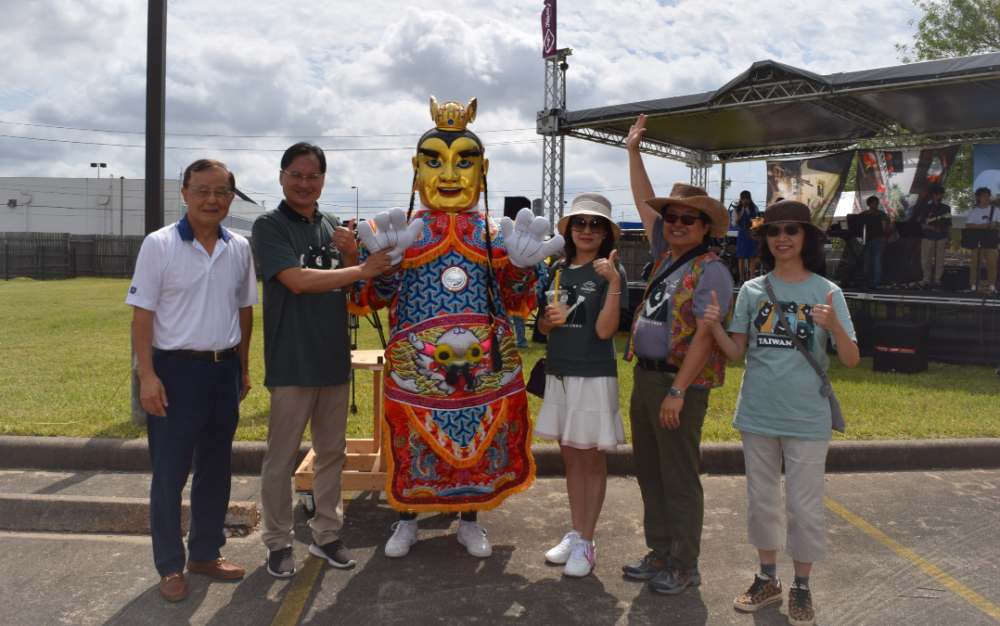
(245, 67)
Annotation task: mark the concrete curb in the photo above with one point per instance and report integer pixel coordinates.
(93, 514)
(132, 455)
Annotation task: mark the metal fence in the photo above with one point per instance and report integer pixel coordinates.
(47, 256)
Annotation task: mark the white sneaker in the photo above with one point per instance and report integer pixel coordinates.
(560, 554)
(473, 537)
(404, 535)
(581, 562)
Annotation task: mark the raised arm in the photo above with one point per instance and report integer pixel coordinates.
(826, 316)
(642, 189)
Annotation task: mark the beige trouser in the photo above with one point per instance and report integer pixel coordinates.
(805, 478)
(987, 259)
(932, 254)
(325, 409)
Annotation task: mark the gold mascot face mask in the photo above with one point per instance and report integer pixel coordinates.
(449, 163)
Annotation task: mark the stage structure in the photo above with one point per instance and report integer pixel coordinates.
(773, 110)
(553, 140)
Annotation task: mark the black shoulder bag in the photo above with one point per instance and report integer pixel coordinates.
(826, 389)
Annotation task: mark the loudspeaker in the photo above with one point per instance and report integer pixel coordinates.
(901, 347)
(955, 278)
(513, 204)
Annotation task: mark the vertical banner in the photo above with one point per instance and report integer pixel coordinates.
(549, 29)
(817, 183)
(900, 179)
(986, 167)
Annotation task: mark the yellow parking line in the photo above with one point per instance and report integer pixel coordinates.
(915, 559)
(301, 588)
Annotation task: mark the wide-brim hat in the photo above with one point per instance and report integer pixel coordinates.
(781, 212)
(696, 198)
(589, 204)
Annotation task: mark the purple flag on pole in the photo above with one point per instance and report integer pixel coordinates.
(549, 28)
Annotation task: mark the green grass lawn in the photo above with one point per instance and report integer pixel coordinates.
(64, 365)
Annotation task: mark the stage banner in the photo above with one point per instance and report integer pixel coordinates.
(899, 179)
(815, 182)
(986, 167)
(549, 29)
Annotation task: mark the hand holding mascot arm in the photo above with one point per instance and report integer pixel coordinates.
(393, 232)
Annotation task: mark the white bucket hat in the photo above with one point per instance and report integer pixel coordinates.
(589, 204)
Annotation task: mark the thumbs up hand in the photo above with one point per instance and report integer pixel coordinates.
(825, 315)
(609, 271)
(343, 239)
(713, 313)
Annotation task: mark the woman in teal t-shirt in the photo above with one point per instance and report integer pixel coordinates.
(580, 409)
(780, 413)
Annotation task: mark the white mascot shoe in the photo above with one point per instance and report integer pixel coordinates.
(404, 536)
(473, 537)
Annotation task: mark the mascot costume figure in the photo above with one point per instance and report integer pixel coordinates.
(456, 427)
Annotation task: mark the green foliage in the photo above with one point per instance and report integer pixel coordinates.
(953, 28)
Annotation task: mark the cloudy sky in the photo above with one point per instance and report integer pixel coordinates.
(247, 78)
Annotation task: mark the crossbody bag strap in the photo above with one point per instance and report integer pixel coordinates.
(653, 284)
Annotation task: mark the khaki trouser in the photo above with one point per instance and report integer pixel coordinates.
(987, 259)
(325, 409)
(932, 254)
(805, 478)
(666, 468)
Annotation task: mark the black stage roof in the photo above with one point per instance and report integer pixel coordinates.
(774, 110)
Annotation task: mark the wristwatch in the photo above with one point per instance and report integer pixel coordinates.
(676, 393)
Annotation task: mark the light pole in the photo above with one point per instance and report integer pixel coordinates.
(357, 208)
(99, 166)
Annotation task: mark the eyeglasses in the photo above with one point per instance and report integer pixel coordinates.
(298, 176)
(687, 220)
(790, 229)
(579, 224)
(203, 192)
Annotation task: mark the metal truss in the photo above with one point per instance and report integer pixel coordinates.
(550, 121)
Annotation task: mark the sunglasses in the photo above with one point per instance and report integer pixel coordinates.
(790, 229)
(687, 220)
(579, 224)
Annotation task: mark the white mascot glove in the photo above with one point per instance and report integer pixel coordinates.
(525, 239)
(392, 233)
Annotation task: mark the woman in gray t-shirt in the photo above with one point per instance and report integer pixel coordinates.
(780, 413)
(580, 409)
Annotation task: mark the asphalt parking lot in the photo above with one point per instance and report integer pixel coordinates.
(904, 548)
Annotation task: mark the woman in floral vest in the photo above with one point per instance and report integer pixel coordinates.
(678, 363)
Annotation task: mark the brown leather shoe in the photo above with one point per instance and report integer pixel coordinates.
(174, 587)
(219, 568)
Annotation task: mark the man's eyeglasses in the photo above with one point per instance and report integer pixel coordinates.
(687, 220)
(298, 176)
(790, 229)
(579, 224)
(221, 193)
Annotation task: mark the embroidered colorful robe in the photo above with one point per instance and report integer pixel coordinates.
(457, 433)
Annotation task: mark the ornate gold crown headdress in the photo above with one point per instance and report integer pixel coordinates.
(452, 115)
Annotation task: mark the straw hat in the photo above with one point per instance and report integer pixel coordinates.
(589, 204)
(781, 212)
(696, 198)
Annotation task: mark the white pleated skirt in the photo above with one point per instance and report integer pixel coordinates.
(581, 412)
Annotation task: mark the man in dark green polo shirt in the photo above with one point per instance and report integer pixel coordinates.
(308, 262)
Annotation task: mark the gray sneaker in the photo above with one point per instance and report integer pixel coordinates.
(335, 553)
(645, 568)
(672, 580)
(281, 563)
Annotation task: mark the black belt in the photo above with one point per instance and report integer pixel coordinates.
(219, 355)
(657, 366)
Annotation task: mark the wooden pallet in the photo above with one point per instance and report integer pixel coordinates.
(364, 469)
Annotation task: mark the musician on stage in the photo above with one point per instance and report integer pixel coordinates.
(742, 215)
(935, 218)
(876, 243)
(983, 216)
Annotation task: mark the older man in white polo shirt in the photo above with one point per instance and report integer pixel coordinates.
(193, 292)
